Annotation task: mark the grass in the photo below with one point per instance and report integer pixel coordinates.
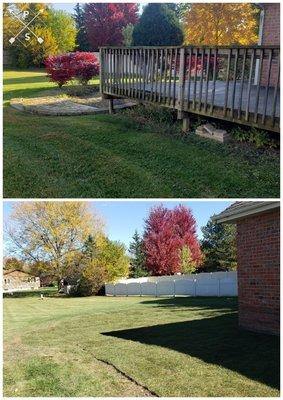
(99, 346)
(111, 156)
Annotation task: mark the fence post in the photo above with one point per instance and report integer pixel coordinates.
(219, 291)
(156, 289)
(127, 290)
(195, 287)
(140, 289)
(174, 286)
(114, 290)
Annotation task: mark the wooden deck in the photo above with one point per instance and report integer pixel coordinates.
(234, 84)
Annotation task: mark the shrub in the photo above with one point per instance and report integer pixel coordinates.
(80, 65)
(86, 66)
(59, 69)
(91, 279)
(257, 137)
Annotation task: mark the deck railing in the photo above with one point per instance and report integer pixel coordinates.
(239, 84)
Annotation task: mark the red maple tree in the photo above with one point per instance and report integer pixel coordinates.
(104, 22)
(166, 233)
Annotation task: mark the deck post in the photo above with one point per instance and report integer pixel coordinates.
(101, 77)
(186, 123)
(110, 105)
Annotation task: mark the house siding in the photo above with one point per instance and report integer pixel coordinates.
(258, 241)
(17, 280)
(271, 36)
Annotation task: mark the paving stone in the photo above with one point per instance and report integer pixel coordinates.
(59, 106)
(210, 132)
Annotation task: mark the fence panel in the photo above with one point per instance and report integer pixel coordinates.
(228, 287)
(134, 289)
(208, 287)
(204, 284)
(148, 289)
(121, 289)
(165, 288)
(185, 287)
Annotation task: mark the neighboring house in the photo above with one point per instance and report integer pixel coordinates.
(16, 280)
(258, 253)
(269, 35)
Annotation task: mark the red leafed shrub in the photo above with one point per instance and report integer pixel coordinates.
(59, 68)
(86, 66)
(80, 65)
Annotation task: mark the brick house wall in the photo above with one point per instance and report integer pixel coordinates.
(258, 241)
(270, 36)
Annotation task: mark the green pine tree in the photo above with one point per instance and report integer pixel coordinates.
(90, 249)
(81, 38)
(219, 247)
(158, 26)
(137, 257)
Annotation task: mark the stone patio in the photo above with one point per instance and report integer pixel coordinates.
(67, 105)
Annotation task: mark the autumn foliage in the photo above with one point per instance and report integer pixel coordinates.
(221, 24)
(167, 232)
(104, 22)
(79, 65)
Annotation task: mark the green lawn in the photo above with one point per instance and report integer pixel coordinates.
(110, 156)
(99, 346)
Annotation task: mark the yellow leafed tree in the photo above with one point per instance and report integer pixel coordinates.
(221, 24)
(53, 232)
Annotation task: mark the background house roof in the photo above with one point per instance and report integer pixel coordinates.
(243, 209)
(9, 271)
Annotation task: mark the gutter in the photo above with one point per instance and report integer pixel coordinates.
(232, 216)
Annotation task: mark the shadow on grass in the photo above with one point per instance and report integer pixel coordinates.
(26, 79)
(218, 341)
(32, 92)
(202, 303)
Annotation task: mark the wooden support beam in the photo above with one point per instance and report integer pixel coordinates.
(110, 105)
(186, 123)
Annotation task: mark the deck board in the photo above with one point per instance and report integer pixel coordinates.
(219, 98)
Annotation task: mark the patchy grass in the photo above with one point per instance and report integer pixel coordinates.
(112, 156)
(99, 346)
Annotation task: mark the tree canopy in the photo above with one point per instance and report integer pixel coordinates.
(52, 232)
(221, 24)
(104, 22)
(158, 26)
(166, 233)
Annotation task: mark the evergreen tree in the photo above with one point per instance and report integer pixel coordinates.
(158, 26)
(90, 249)
(219, 247)
(81, 38)
(137, 257)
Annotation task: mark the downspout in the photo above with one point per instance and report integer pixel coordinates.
(260, 37)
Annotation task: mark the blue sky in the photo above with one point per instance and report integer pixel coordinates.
(123, 217)
(69, 7)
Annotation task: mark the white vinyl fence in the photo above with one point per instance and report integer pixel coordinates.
(204, 284)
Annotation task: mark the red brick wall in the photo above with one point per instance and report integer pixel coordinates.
(271, 36)
(258, 241)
